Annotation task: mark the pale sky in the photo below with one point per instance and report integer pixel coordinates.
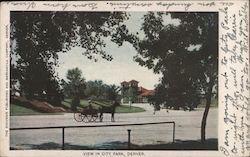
(121, 68)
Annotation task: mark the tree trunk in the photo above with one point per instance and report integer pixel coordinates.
(204, 118)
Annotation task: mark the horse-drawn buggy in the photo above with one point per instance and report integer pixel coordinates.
(86, 115)
(91, 114)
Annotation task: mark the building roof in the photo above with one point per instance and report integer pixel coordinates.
(133, 81)
(141, 89)
(145, 92)
(124, 82)
(148, 93)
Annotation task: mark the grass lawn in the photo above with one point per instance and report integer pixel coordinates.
(67, 102)
(96, 105)
(16, 110)
(127, 109)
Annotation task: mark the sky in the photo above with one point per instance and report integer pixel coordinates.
(121, 68)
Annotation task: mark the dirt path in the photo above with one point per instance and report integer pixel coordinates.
(187, 128)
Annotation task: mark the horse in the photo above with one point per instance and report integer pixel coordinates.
(111, 109)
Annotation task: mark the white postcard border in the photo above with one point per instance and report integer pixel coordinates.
(233, 7)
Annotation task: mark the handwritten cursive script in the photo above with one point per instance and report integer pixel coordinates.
(234, 75)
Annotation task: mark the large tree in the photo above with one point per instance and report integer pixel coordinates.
(37, 37)
(186, 54)
(74, 86)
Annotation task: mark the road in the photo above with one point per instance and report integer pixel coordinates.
(187, 128)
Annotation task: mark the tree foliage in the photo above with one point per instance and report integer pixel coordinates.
(129, 94)
(74, 86)
(98, 90)
(37, 37)
(112, 92)
(186, 54)
(94, 89)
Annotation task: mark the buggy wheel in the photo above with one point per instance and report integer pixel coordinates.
(94, 117)
(85, 118)
(78, 117)
(89, 118)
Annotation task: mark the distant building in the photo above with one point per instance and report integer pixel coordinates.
(129, 91)
(144, 94)
(134, 94)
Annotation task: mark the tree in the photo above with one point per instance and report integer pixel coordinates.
(132, 94)
(95, 89)
(37, 37)
(186, 54)
(111, 92)
(98, 90)
(74, 87)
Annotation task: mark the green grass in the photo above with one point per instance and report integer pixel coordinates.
(97, 104)
(17, 110)
(83, 103)
(128, 109)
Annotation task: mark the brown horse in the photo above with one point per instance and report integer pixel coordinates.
(111, 110)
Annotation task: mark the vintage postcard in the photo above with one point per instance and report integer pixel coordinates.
(125, 78)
